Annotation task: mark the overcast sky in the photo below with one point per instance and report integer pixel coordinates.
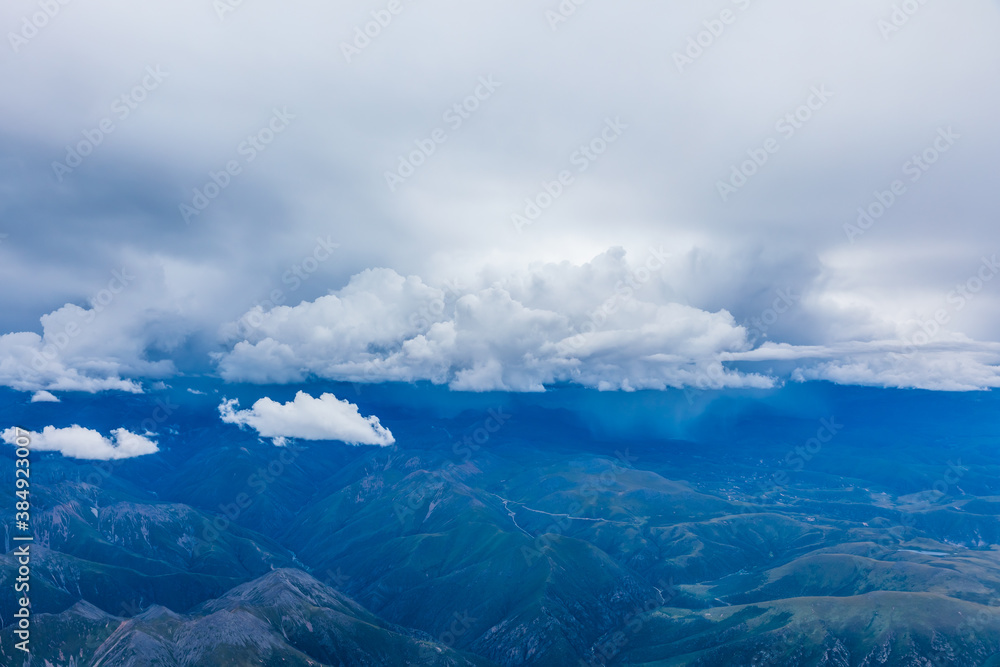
(376, 221)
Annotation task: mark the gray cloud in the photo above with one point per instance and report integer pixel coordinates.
(323, 176)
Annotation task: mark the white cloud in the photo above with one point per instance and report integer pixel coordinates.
(132, 328)
(308, 418)
(84, 443)
(44, 397)
(90, 349)
(606, 324)
(29, 363)
(609, 324)
(958, 364)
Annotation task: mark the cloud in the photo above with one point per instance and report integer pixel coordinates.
(138, 325)
(610, 324)
(94, 349)
(958, 364)
(29, 363)
(308, 418)
(44, 397)
(783, 228)
(84, 443)
(607, 324)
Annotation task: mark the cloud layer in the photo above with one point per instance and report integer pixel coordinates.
(602, 325)
(84, 443)
(24, 366)
(308, 418)
(683, 318)
(607, 324)
(838, 189)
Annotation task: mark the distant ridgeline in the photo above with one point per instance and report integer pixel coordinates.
(810, 524)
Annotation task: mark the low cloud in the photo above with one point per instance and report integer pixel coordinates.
(308, 418)
(956, 364)
(44, 397)
(653, 320)
(133, 329)
(608, 324)
(29, 363)
(83, 443)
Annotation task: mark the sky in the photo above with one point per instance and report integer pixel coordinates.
(499, 195)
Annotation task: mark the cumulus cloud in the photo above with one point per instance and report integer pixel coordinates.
(91, 349)
(611, 324)
(84, 443)
(134, 327)
(44, 397)
(29, 363)
(607, 324)
(308, 418)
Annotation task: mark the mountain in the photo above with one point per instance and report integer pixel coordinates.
(629, 529)
(283, 618)
(882, 628)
